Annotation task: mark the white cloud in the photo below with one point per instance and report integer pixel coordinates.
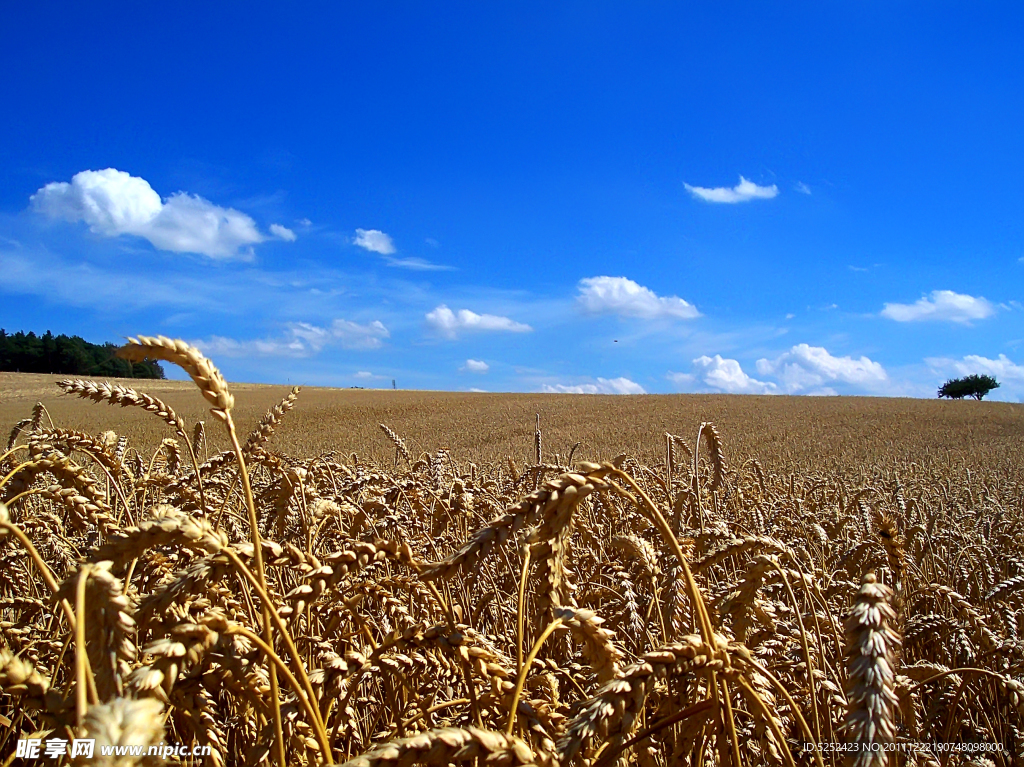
(221, 346)
(942, 305)
(727, 375)
(1001, 368)
(113, 203)
(352, 335)
(449, 323)
(305, 222)
(477, 391)
(806, 367)
(364, 374)
(375, 240)
(802, 187)
(1009, 374)
(619, 295)
(680, 379)
(823, 391)
(475, 366)
(742, 192)
(110, 201)
(603, 386)
(301, 339)
(417, 264)
(282, 232)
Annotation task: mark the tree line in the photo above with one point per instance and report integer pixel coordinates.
(68, 355)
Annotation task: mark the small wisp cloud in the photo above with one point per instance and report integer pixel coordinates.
(744, 191)
(375, 241)
(282, 233)
(301, 339)
(417, 264)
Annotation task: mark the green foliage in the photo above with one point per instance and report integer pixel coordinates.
(976, 386)
(69, 355)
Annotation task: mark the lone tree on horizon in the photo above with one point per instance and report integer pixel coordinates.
(976, 386)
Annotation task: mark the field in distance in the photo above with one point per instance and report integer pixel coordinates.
(798, 434)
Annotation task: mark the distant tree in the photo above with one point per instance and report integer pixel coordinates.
(976, 386)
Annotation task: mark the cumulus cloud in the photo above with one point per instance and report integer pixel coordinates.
(943, 305)
(112, 202)
(301, 339)
(475, 366)
(728, 376)
(1002, 368)
(375, 240)
(282, 232)
(806, 368)
(742, 192)
(603, 386)
(449, 323)
(619, 295)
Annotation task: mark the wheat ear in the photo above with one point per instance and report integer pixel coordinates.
(399, 443)
(209, 380)
(123, 722)
(871, 656)
(269, 422)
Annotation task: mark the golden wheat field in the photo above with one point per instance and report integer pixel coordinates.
(399, 578)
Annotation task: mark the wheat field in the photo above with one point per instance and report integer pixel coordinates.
(399, 578)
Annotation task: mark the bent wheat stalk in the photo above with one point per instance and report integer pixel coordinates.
(214, 389)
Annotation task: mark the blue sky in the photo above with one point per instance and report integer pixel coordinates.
(792, 198)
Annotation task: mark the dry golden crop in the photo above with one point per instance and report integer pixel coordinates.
(850, 596)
